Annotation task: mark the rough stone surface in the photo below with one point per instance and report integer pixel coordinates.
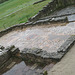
(71, 18)
(51, 7)
(32, 37)
(67, 45)
(59, 13)
(1, 47)
(38, 55)
(59, 19)
(51, 20)
(6, 54)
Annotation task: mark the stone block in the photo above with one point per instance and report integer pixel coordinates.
(14, 51)
(4, 56)
(1, 47)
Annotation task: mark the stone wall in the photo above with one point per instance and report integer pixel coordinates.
(6, 54)
(12, 28)
(46, 10)
(30, 24)
(40, 56)
(51, 7)
(35, 55)
(16, 27)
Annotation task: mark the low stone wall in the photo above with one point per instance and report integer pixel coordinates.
(51, 20)
(66, 46)
(51, 7)
(35, 55)
(40, 56)
(6, 54)
(14, 27)
(39, 22)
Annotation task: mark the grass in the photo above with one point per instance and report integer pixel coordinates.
(19, 11)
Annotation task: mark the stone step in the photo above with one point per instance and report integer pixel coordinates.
(34, 66)
(11, 65)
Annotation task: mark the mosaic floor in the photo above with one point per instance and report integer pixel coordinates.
(43, 37)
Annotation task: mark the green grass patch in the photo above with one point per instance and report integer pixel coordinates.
(19, 11)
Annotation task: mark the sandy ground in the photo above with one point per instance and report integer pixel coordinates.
(66, 66)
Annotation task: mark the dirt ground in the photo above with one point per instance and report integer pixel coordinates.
(66, 66)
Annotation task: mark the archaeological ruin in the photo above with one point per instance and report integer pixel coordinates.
(42, 41)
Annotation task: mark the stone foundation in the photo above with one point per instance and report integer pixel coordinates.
(51, 7)
(39, 56)
(6, 54)
(35, 55)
